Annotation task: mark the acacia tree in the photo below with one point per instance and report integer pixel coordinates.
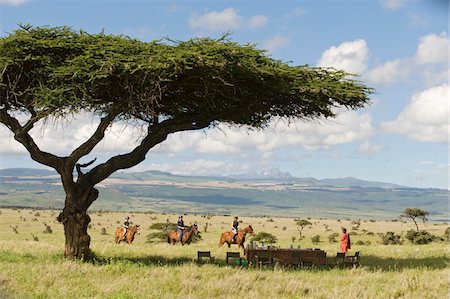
(301, 223)
(415, 213)
(167, 87)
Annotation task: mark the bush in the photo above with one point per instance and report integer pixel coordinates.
(48, 228)
(390, 238)
(265, 238)
(162, 230)
(103, 231)
(163, 226)
(419, 237)
(447, 234)
(332, 237)
(315, 239)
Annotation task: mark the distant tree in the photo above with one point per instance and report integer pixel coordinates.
(48, 75)
(415, 213)
(301, 223)
(265, 237)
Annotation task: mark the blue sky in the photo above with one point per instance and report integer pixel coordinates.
(399, 47)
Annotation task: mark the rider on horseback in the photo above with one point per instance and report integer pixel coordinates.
(234, 228)
(180, 226)
(126, 224)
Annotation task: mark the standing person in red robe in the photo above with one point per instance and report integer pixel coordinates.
(345, 241)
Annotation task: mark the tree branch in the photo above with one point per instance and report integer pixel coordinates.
(89, 145)
(22, 136)
(156, 134)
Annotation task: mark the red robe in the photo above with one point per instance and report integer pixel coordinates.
(345, 242)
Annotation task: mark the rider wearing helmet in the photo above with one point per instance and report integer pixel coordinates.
(180, 227)
(234, 228)
(126, 224)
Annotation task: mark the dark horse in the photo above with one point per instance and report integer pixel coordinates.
(174, 236)
(227, 237)
(131, 232)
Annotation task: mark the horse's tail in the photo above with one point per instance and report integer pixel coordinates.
(168, 238)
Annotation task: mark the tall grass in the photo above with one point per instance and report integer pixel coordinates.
(37, 269)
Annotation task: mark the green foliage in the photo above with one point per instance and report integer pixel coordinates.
(301, 223)
(57, 70)
(415, 213)
(264, 237)
(332, 237)
(162, 228)
(419, 237)
(447, 234)
(391, 238)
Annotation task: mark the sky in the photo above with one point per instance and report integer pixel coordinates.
(398, 47)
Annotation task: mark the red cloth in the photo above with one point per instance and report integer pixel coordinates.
(345, 242)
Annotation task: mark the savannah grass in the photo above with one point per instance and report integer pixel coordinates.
(37, 269)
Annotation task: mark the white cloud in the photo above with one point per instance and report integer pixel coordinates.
(434, 77)
(350, 56)
(12, 2)
(257, 21)
(348, 127)
(368, 148)
(214, 20)
(276, 42)
(389, 72)
(426, 118)
(226, 19)
(392, 4)
(433, 49)
(196, 167)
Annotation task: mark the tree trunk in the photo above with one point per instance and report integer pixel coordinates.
(76, 221)
(417, 226)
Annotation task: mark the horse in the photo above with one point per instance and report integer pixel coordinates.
(129, 237)
(227, 237)
(174, 236)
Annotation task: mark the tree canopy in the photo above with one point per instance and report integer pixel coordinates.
(415, 213)
(165, 86)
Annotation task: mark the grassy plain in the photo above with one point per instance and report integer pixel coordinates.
(32, 265)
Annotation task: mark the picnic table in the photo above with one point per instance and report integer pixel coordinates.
(285, 256)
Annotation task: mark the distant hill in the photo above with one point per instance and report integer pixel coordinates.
(17, 172)
(275, 194)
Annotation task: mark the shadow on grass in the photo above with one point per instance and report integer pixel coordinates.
(391, 264)
(151, 260)
(370, 262)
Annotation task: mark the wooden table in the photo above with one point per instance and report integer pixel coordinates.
(286, 256)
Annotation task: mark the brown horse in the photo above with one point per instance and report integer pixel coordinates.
(174, 236)
(227, 237)
(131, 232)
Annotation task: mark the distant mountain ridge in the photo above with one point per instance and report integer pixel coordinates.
(350, 182)
(267, 193)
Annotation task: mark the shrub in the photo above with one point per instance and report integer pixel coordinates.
(264, 237)
(162, 230)
(48, 229)
(390, 238)
(103, 231)
(419, 237)
(447, 234)
(14, 228)
(332, 237)
(315, 239)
